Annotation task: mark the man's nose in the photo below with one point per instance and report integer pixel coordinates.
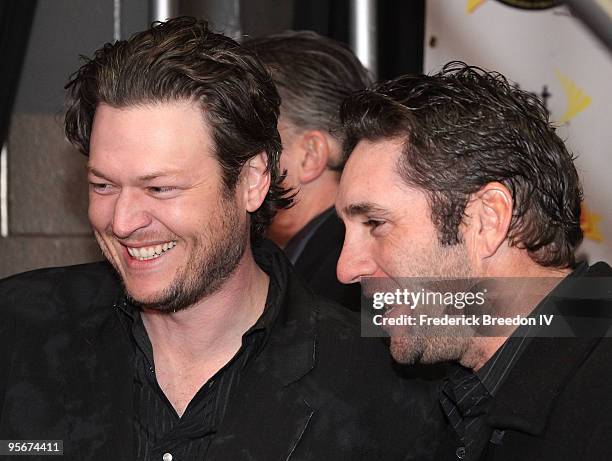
(354, 263)
(130, 215)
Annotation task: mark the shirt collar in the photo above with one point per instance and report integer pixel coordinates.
(494, 372)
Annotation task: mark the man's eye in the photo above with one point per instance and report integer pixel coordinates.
(373, 223)
(161, 189)
(101, 187)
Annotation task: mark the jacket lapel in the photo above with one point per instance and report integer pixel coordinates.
(99, 403)
(526, 399)
(266, 423)
(269, 411)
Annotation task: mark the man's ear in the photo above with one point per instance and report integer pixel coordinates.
(257, 181)
(315, 149)
(489, 212)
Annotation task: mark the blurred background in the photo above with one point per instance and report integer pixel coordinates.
(554, 50)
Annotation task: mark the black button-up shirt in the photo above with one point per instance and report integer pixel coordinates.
(158, 430)
(466, 397)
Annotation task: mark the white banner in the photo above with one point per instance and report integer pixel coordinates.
(552, 54)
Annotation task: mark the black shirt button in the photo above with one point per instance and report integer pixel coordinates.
(460, 452)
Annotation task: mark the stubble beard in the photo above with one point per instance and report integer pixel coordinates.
(215, 257)
(428, 349)
(428, 345)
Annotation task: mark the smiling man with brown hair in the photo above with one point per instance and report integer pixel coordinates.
(197, 341)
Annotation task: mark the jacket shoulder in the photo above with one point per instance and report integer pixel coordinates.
(365, 391)
(56, 286)
(337, 316)
(600, 269)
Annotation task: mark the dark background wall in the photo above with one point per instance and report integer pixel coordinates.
(47, 192)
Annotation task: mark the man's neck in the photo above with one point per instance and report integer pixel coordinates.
(191, 345)
(215, 324)
(480, 350)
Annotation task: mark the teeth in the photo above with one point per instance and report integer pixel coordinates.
(146, 253)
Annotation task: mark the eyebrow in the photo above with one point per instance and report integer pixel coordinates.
(157, 174)
(144, 178)
(362, 208)
(95, 172)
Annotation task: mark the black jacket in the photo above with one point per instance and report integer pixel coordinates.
(317, 264)
(556, 403)
(317, 391)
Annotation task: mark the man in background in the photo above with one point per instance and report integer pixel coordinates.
(461, 175)
(313, 75)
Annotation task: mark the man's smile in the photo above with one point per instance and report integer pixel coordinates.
(144, 253)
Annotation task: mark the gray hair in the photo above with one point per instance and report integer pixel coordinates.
(313, 75)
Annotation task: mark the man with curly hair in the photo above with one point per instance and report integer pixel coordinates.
(460, 175)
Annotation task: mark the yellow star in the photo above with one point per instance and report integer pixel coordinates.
(589, 223)
(471, 5)
(577, 99)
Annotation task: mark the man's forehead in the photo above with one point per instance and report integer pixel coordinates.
(370, 163)
(382, 153)
(150, 140)
(370, 174)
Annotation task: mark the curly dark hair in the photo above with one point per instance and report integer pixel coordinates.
(313, 75)
(181, 59)
(463, 128)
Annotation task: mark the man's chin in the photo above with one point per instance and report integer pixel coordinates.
(174, 298)
(405, 350)
(147, 297)
(154, 301)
